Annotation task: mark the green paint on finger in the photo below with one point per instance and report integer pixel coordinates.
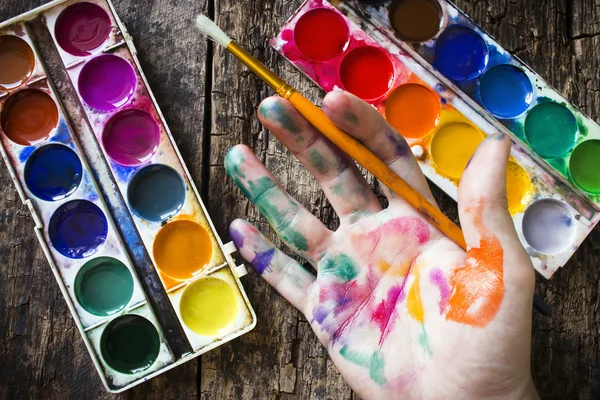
(233, 165)
(254, 190)
(338, 189)
(235, 171)
(318, 161)
(277, 112)
(261, 193)
(295, 238)
(340, 266)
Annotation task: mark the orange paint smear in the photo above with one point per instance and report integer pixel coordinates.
(414, 302)
(479, 285)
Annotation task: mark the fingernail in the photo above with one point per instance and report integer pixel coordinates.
(497, 136)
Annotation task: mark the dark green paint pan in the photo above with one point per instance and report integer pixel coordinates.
(130, 344)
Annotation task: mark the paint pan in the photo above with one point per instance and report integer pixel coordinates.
(119, 164)
(16, 62)
(211, 306)
(486, 76)
(444, 129)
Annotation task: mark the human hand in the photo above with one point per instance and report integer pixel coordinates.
(403, 311)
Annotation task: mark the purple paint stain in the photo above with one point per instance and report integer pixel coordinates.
(437, 278)
(237, 237)
(131, 137)
(384, 311)
(107, 82)
(262, 260)
(400, 146)
(320, 313)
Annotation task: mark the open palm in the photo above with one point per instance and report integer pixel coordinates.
(402, 310)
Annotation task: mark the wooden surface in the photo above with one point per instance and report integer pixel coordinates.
(209, 102)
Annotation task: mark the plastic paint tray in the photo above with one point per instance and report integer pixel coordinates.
(551, 216)
(490, 79)
(112, 200)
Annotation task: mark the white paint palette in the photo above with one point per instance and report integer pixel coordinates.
(147, 278)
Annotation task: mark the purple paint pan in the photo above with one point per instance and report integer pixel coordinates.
(131, 137)
(107, 82)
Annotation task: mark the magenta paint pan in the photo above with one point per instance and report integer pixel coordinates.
(131, 137)
(550, 217)
(93, 194)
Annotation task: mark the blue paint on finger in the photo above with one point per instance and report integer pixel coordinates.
(262, 260)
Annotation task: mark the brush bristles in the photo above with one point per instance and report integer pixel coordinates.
(210, 29)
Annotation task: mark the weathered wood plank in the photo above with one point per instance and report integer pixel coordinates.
(281, 358)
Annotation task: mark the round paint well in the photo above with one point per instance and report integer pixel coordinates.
(506, 91)
(29, 116)
(81, 28)
(104, 286)
(53, 172)
(518, 188)
(367, 72)
(452, 146)
(130, 344)
(321, 34)
(416, 20)
(156, 193)
(107, 82)
(208, 305)
(460, 53)
(413, 110)
(16, 62)
(548, 226)
(77, 229)
(551, 129)
(584, 166)
(182, 248)
(131, 137)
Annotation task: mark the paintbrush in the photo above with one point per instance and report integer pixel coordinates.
(341, 139)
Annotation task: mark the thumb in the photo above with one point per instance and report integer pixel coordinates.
(496, 259)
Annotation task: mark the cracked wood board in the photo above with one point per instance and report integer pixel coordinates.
(554, 38)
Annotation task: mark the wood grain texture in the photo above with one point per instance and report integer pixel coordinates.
(41, 352)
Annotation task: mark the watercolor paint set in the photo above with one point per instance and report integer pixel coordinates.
(380, 54)
(135, 254)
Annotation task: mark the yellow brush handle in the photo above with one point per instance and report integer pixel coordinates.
(378, 168)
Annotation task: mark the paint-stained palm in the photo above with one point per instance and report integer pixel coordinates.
(403, 311)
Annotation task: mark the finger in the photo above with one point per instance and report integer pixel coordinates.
(335, 171)
(297, 227)
(497, 264)
(364, 123)
(286, 275)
